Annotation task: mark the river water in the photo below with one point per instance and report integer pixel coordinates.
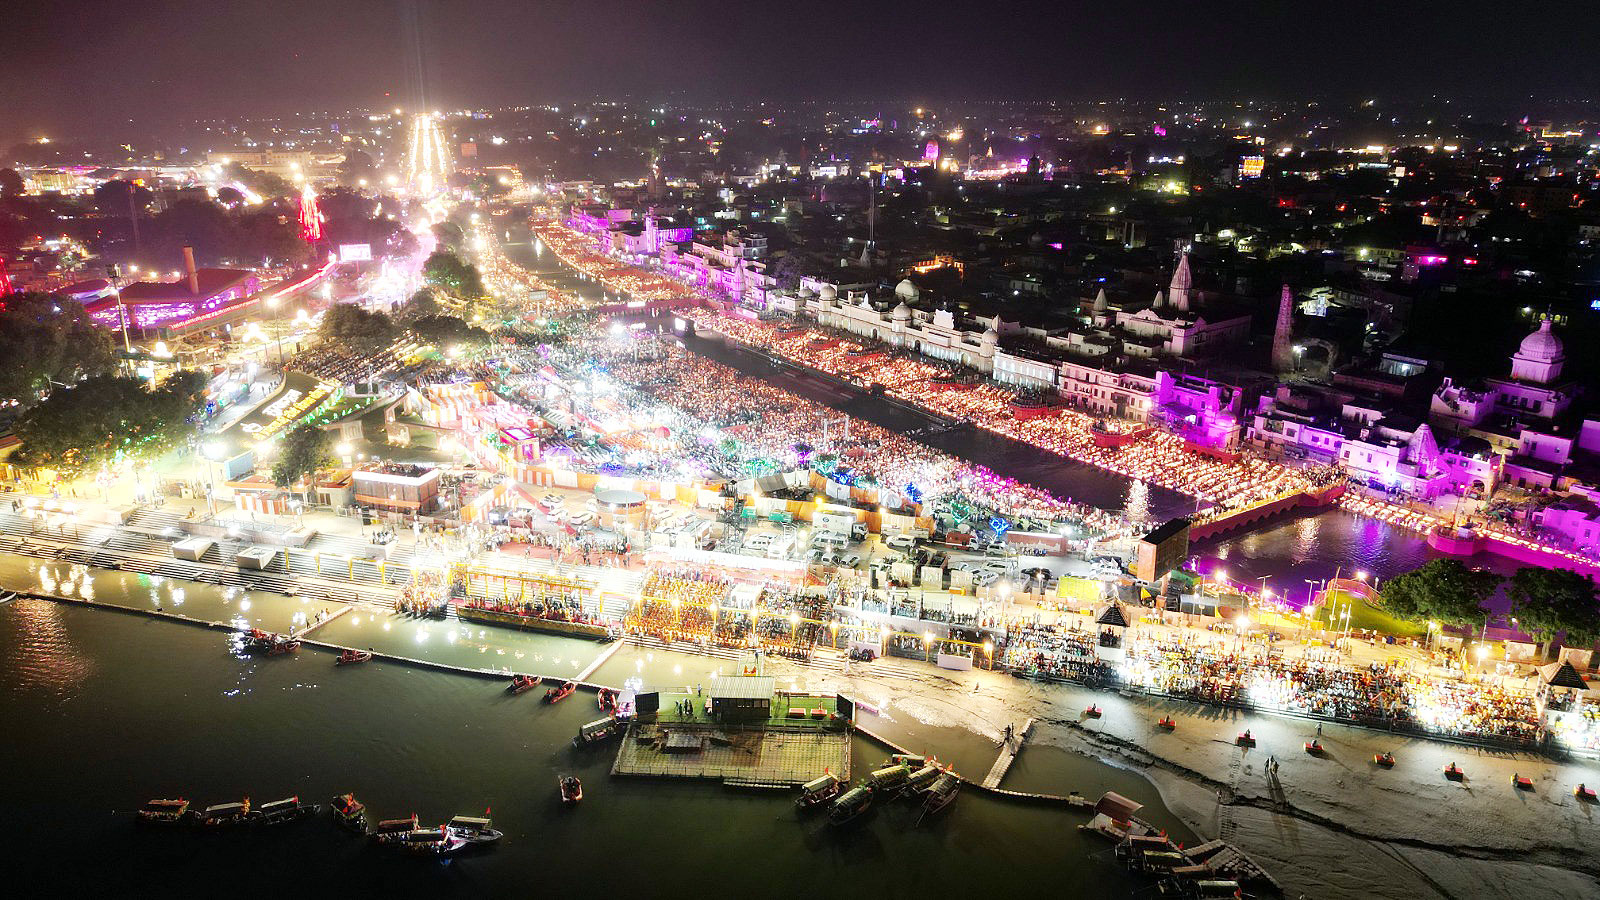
(105, 710)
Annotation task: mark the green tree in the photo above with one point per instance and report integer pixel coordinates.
(449, 333)
(450, 236)
(1444, 590)
(422, 304)
(11, 184)
(111, 197)
(230, 197)
(353, 329)
(447, 272)
(45, 339)
(108, 419)
(266, 184)
(1548, 602)
(306, 450)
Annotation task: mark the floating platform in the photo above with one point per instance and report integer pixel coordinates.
(733, 755)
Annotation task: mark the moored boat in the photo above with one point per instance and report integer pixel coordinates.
(849, 805)
(472, 829)
(350, 812)
(521, 683)
(920, 779)
(350, 657)
(941, 793)
(285, 810)
(571, 789)
(607, 701)
(819, 791)
(164, 812)
(888, 777)
(224, 814)
(389, 831)
(597, 731)
(430, 842)
(557, 694)
(474, 611)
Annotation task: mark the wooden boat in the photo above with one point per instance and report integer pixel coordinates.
(473, 829)
(350, 812)
(222, 815)
(164, 812)
(913, 760)
(286, 810)
(940, 795)
(430, 842)
(920, 779)
(1385, 760)
(521, 683)
(350, 657)
(258, 641)
(471, 612)
(390, 831)
(888, 778)
(571, 789)
(558, 694)
(850, 805)
(597, 731)
(819, 791)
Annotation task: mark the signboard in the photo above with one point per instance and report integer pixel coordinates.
(355, 253)
(1162, 550)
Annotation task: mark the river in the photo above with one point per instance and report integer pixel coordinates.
(106, 709)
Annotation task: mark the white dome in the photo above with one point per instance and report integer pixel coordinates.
(807, 293)
(828, 292)
(905, 290)
(902, 312)
(1542, 345)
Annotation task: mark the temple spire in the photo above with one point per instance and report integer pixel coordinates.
(1181, 286)
(1283, 334)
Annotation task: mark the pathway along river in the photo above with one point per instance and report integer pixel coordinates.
(105, 710)
(1288, 551)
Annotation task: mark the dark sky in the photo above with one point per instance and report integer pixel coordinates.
(73, 64)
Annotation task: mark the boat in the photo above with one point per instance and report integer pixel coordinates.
(888, 777)
(1383, 759)
(164, 812)
(849, 805)
(818, 791)
(920, 779)
(224, 814)
(350, 812)
(940, 795)
(1245, 739)
(513, 617)
(1454, 773)
(258, 641)
(1584, 792)
(1521, 782)
(597, 731)
(558, 694)
(430, 842)
(1168, 723)
(472, 829)
(607, 701)
(1314, 748)
(1092, 712)
(391, 831)
(7, 596)
(520, 683)
(908, 759)
(286, 810)
(571, 789)
(350, 657)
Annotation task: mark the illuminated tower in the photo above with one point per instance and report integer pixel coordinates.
(1283, 334)
(427, 156)
(311, 217)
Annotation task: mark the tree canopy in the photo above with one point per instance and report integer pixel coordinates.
(353, 329)
(449, 332)
(422, 304)
(448, 272)
(1444, 590)
(1548, 602)
(107, 419)
(111, 197)
(11, 183)
(44, 339)
(306, 449)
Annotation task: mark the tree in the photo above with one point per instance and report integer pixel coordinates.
(1548, 602)
(422, 304)
(306, 449)
(11, 184)
(109, 419)
(353, 329)
(230, 197)
(447, 271)
(45, 339)
(449, 332)
(357, 165)
(1444, 590)
(111, 197)
(450, 236)
(266, 184)
(201, 224)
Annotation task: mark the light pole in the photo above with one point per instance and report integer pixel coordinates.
(213, 451)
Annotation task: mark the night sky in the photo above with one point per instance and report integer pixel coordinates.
(77, 63)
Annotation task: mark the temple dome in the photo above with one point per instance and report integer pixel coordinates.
(1542, 345)
(906, 291)
(902, 312)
